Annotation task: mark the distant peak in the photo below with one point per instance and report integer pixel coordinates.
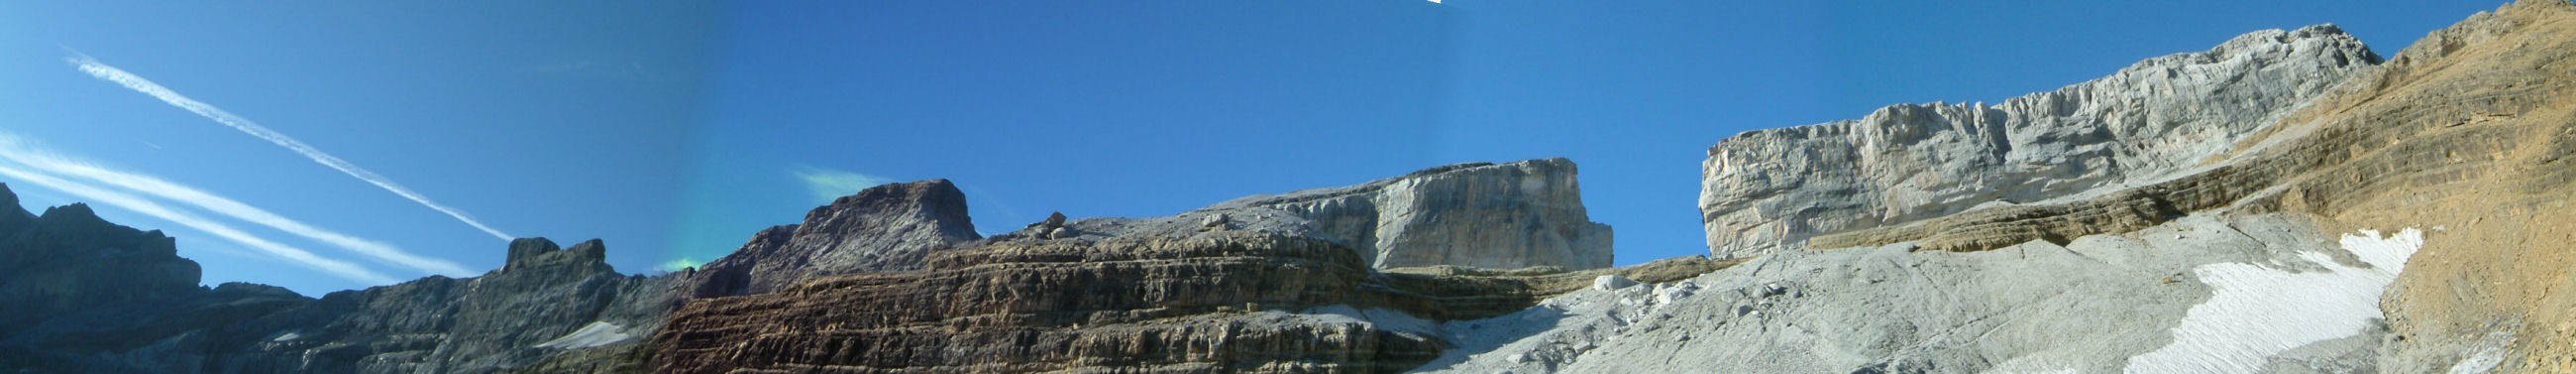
(528, 252)
(69, 213)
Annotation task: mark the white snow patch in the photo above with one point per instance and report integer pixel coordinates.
(593, 335)
(287, 337)
(2255, 311)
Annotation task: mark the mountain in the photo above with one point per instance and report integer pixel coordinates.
(84, 295)
(1766, 190)
(891, 227)
(2285, 202)
(2358, 216)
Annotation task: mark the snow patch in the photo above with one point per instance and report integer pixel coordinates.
(2255, 311)
(593, 335)
(287, 337)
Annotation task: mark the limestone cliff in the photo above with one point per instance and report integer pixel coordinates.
(2461, 135)
(1770, 189)
(1502, 216)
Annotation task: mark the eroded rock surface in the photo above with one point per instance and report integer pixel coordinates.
(2133, 303)
(892, 227)
(1231, 301)
(83, 295)
(1770, 189)
(1501, 216)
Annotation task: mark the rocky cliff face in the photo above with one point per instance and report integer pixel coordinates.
(1501, 216)
(1770, 189)
(1227, 301)
(891, 227)
(2457, 142)
(68, 261)
(1274, 283)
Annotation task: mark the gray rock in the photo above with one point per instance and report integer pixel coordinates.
(2088, 307)
(1503, 216)
(1769, 189)
(891, 227)
(1213, 221)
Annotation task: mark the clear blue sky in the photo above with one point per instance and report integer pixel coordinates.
(676, 131)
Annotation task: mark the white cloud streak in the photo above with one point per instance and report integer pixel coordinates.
(13, 150)
(342, 269)
(138, 84)
(828, 184)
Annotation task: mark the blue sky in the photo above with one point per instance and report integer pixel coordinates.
(676, 130)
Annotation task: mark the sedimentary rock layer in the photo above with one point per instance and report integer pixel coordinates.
(1769, 189)
(1130, 304)
(1501, 216)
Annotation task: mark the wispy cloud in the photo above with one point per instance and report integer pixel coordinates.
(828, 184)
(16, 151)
(342, 269)
(681, 263)
(138, 84)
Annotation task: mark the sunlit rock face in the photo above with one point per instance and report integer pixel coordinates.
(1501, 216)
(892, 227)
(1770, 189)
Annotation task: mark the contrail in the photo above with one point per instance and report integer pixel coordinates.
(339, 268)
(138, 84)
(13, 150)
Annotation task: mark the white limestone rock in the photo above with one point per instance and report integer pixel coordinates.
(1500, 216)
(1771, 189)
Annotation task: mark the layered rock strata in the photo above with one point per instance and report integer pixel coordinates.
(1227, 301)
(1502, 216)
(1769, 189)
(2462, 133)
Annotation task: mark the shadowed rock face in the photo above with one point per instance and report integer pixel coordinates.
(891, 227)
(78, 294)
(1770, 189)
(69, 268)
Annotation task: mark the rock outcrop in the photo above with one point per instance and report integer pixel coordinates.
(67, 262)
(892, 227)
(2461, 134)
(1770, 189)
(1501, 216)
(2136, 303)
(1230, 301)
